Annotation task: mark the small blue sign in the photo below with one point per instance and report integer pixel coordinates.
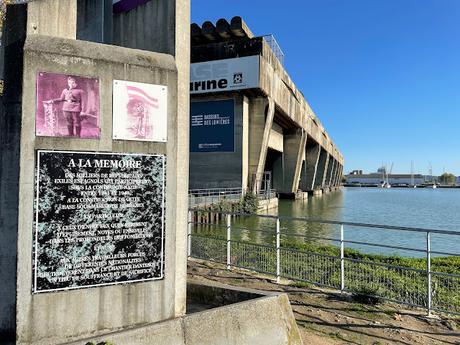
(212, 126)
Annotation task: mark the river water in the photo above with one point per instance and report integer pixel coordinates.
(419, 208)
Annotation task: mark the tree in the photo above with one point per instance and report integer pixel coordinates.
(447, 178)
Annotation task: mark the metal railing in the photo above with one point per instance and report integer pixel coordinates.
(425, 280)
(275, 47)
(206, 197)
(267, 194)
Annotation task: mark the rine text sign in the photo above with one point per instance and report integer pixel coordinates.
(225, 75)
(99, 219)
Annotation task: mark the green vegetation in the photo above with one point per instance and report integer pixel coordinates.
(316, 263)
(248, 204)
(447, 178)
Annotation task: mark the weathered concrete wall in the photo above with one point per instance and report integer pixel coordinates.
(276, 140)
(221, 169)
(275, 82)
(267, 321)
(57, 317)
(131, 30)
(53, 18)
(94, 20)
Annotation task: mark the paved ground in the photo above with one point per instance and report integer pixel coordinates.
(325, 317)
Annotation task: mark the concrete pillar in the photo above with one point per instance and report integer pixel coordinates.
(337, 175)
(294, 152)
(245, 178)
(322, 169)
(330, 181)
(330, 166)
(178, 150)
(340, 175)
(52, 18)
(42, 318)
(334, 173)
(10, 132)
(312, 156)
(261, 114)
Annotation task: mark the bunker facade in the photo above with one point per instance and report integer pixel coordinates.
(250, 127)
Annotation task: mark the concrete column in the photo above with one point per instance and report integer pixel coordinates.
(40, 318)
(294, 151)
(312, 156)
(52, 18)
(261, 114)
(337, 175)
(245, 178)
(330, 181)
(10, 132)
(330, 166)
(322, 169)
(340, 175)
(178, 150)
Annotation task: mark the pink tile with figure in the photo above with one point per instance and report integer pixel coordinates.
(139, 111)
(67, 106)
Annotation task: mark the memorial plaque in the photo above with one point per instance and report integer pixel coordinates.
(99, 219)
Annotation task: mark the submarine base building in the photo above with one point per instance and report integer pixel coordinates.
(250, 127)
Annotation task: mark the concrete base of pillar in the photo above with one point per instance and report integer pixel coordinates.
(326, 190)
(302, 196)
(317, 192)
(267, 204)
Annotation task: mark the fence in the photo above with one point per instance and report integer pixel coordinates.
(273, 43)
(205, 197)
(430, 281)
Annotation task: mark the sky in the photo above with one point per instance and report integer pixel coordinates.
(383, 76)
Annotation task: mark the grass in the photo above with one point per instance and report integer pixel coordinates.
(320, 264)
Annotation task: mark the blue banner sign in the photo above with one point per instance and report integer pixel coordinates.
(212, 126)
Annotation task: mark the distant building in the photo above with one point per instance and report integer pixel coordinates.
(393, 179)
(356, 172)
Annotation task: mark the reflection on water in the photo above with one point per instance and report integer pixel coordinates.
(420, 208)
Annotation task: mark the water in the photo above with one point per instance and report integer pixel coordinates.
(420, 208)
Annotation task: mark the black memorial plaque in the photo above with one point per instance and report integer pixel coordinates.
(99, 219)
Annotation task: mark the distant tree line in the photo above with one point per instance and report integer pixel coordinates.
(447, 178)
